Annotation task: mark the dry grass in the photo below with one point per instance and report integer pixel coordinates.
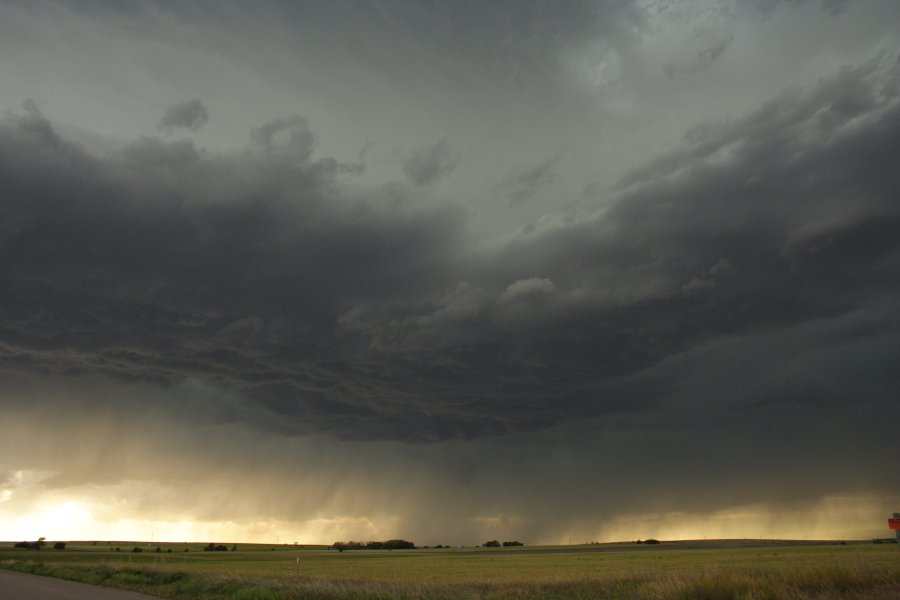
(849, 572)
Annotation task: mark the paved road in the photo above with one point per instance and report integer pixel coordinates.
(20, 586)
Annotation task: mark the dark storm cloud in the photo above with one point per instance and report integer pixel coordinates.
(190, 114)
(522, 185)
(831, 7)
(439, 51)
(508, 41)
(338, 311)
(427, 165)
(698, 52)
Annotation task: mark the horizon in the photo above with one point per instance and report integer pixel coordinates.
(330, 546)
(449, 270)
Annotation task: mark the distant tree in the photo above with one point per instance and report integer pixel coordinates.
(215, 548)
(507, 544)
(491, 544)
(651, 541)
(59, 546)
(159, 549)
(137, 549)
(351, 545)
(234, 548)
(373, 545)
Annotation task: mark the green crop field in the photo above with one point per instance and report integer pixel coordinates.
(622, 571)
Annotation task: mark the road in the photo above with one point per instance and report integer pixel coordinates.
(20, 586)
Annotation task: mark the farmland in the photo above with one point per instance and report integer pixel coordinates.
(774, 570)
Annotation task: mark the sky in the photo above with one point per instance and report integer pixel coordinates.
(449, 271)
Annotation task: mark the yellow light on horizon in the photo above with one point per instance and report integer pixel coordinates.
(59, 520)
(63, 519)
(95, 517)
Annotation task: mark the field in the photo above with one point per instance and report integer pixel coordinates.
(713, 570)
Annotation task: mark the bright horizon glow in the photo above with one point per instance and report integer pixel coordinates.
(833, 518)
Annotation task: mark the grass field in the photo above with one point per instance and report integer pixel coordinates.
(627, 571)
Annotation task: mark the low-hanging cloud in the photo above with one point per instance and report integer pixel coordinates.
(190, 114)
(262, 275)
(522, 185)
(275, 335)
(427, 165)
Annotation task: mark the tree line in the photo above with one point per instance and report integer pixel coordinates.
(496, 544)
(388, 545)
(40, 543)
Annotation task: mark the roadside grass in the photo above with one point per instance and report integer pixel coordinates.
(849, 572)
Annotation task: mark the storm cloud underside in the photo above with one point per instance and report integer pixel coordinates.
(361, 336)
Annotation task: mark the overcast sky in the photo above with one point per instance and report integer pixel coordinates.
(449, 270)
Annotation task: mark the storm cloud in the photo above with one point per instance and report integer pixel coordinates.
(259, 273)
(522, 185)
(190, 114)
(427, 165)
(358, 326)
